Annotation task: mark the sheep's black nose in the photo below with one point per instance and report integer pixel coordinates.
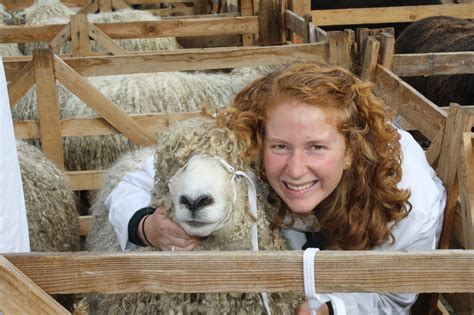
(196, 203)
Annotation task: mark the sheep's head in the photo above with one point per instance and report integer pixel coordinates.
(203, 194)
(192, 179)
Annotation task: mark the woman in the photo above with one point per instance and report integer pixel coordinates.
(324, 143)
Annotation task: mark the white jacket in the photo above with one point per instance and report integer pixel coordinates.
(420, 230)
(13, 224)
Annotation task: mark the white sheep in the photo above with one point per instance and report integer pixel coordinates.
(49, 12)
(165, 92)
(186, 160)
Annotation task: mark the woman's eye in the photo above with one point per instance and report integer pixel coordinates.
(279, 147)
(317, 147)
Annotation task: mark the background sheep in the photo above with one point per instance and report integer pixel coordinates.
(440, 34)
(52, 216)
(53, 222)
(48, 12)
(139, 93)
(186, 139)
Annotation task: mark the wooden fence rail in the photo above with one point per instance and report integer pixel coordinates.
(246, 271)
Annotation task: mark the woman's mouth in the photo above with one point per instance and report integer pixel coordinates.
(300, 187)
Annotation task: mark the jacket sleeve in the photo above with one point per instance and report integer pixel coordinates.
(131, 194)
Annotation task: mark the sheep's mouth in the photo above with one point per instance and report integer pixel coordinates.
(196, 224)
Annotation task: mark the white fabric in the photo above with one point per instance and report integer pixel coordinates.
(13, 223)
(308, 278)
(420, 230)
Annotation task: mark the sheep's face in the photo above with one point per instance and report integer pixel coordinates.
(202, 193)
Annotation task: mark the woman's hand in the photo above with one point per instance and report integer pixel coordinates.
(162, 232)
(303, 309)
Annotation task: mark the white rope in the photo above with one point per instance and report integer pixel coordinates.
(309, 284)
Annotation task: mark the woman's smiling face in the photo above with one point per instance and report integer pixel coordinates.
(303, 155)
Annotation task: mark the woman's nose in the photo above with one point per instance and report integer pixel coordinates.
(296, 167)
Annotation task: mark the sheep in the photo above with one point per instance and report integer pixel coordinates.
(139, 93)
(440, 34)
(9, 49)
(47, 12)
(53, 221)
(344, 4)
(202, 140)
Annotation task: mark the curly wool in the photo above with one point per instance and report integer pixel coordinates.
(49, 12)
(53, 220)
(185, 139)
(136, 94)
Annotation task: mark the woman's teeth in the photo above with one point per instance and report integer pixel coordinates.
(300, 187)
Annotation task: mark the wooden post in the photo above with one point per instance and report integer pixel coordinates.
(246, 8)
(370, 59)
(387, 46)
(362, 34)
(300, 7)
(48, 106)
(200, 7)
(340, 49)
(20, 295)
(80, 35)
(105, 5)
(270, 27)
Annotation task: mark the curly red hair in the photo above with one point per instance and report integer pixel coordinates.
(359, 212)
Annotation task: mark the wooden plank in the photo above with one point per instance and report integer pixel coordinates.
(466, 179)
(26, 129)
(340, 49)
(199, 59)
(120, 5)
(296, 24)
(189, 59)
(370, 59)
(390, 14)
(433, 63)
(100, 104)
(20, 295)
(85, 180)
(387, 49)
(21, 83)
(246, 271)
(85, 224)
(270, 19)
(80, 35)
(457, 123)
(61, 38)
(300, 8)
(414, 107)
(172, 11)
(105, 41)
(95, 126)
(144, 29)
(48, 106)
(105, 6)
(246, 9)
(200, 7)
(92, 6)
